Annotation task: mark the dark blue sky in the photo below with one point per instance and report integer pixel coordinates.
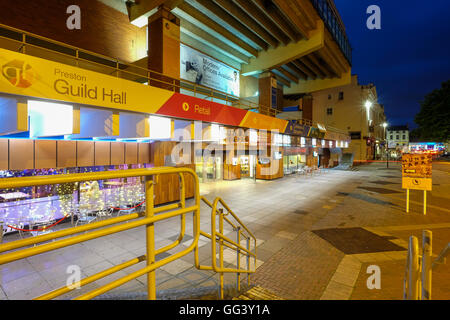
(407, 58)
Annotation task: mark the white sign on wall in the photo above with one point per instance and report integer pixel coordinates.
(202, 69)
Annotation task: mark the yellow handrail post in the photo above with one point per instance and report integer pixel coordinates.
(24, 43)
(221, 251)
(248, 262)
(150, 237)
(238, 275)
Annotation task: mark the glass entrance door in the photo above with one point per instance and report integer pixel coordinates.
(212, 169)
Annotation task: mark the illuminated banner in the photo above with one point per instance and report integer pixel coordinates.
(34, 77)
(203, 70)
(187, 107)
(39, 78)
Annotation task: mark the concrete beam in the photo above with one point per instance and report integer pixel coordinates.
(248, 21)
(144, 7)
(212, 41)
(291, 11)
(233, 22)
(308, 86)
(213, 25)
(251, 9)
(275, 57)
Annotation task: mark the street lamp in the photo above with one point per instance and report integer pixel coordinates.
(368, 104)
(385, 124)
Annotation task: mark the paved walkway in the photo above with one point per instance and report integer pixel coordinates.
(303, 225)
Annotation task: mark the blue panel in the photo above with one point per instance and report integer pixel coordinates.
(291, 109)
(94, 123)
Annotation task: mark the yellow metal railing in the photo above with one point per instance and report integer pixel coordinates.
(99, 229)
(20, 249)
(86, 59)
(217, 236)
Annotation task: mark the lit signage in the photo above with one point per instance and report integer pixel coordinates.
(201, 69)
(160, 128)
(50, 119)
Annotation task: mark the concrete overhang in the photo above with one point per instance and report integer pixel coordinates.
(308, 86)
(276, 57)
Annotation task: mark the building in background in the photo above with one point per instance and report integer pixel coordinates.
(353, 109)
(398, 140)
(141, 78)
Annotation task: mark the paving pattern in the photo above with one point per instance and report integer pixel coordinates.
(296, 259)
(356, 240)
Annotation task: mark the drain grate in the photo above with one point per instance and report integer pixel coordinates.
(356, 240)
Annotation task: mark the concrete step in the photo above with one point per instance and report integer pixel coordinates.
(258, 293)
(199, 293)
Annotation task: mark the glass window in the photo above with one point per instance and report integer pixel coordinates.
(160, 128)
(341, 95)
(329, 111)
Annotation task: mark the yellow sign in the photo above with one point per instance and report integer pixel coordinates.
(417, 171)
(417, 183)
(35, 77)
(417, 165)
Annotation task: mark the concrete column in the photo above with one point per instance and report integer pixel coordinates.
(267, 92)
(164, 49)
(308, 107)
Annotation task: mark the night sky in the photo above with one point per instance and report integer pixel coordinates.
(408, 58)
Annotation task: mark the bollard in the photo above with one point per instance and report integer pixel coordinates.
(427, 251)
(413, 269)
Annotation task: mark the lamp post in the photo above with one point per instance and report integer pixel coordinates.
(368, 104)
(385, 141)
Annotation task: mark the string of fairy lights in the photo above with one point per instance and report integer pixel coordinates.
(90, 198)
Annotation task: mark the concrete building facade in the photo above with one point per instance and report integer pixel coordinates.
(354, 109)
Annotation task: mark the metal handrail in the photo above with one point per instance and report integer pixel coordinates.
(218, 235)
(150, 75)
(417, 287)
(441, 259)
(411, 281)
(113, 225)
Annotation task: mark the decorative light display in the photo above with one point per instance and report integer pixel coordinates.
(47, 204)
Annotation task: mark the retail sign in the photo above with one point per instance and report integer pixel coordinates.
(355, 135)
(417, 171)
(39, 78)
(188, 107)
(34, 77)
(201, 69)
(316, 133)
(295, 128)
